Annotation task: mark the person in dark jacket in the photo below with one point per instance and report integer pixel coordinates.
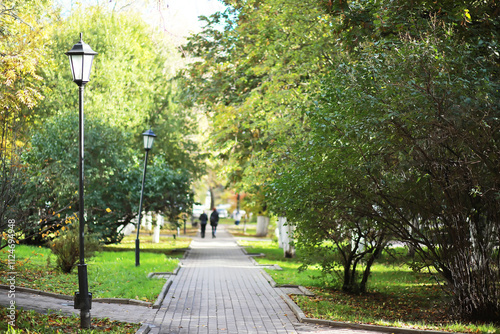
(214, 221)
(203, 222)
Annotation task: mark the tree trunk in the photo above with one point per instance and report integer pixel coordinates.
(212, 199)
(262, 226)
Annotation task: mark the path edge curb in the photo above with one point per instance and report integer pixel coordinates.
(144, 329)
(163, 293)
(37, 292)
(126, 301)
(168, 283)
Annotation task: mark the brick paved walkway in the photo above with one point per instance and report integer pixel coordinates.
(218, 289)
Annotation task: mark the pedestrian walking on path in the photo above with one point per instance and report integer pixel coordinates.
(214, 221)
(203, 223)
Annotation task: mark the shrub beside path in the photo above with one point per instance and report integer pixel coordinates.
(218, 289)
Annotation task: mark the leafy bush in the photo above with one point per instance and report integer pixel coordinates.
(67, 246)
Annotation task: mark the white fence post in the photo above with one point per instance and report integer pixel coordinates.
(286, 237)
(156, 232)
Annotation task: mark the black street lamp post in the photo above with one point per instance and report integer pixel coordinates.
(149, 138)
(80, 57)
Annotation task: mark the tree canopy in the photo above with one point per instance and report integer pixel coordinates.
(132, 88)
(24, 48)
(356, 117)
(361, 121)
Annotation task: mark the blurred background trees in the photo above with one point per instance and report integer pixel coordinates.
(132, 89)
(23, 50)
(363, 122)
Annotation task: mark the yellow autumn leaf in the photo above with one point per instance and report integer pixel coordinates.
(467, 15)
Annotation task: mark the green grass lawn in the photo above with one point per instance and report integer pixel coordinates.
(111, 273)
(167, 245)
(396, 295)
(127, 280)
(241, 230)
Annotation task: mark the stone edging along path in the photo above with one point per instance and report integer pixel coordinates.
(155, 305)
(136, 302)
(98, 300)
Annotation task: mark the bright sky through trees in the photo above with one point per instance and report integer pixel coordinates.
(177, 17)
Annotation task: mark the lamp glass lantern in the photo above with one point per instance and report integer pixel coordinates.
(80, 58)
(149, 138)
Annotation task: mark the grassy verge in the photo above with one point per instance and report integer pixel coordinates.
(396, 296)
(173, 247)
(33, 322)
(241, 230)
(111, 274)
(170, 230)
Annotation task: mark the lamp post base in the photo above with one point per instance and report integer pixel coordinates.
(84, 305)
(85, 319)
(83, 298)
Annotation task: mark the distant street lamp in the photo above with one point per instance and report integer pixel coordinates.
(149, 138)
(80, 58)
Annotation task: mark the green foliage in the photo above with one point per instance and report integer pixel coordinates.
(425, 145)
(112, 180)
(23, 50)
(53, 170)
(167, 190)
(131, 88)
(381, 123)
(254, 91)
(66, 246)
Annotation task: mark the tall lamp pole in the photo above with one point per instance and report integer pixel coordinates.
(80, 58)
(149, 138)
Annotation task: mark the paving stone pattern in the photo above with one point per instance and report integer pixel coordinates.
(218, 289)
